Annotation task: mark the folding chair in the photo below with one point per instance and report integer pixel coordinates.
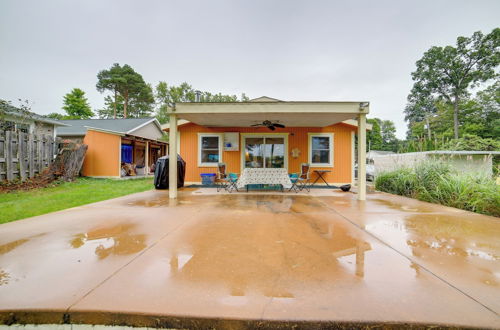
(304, 179)
(231, 182)
(294, 178)
(221, 179)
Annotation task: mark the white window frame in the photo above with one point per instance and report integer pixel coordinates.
(202, 135)
(310, 137)
(244, 136)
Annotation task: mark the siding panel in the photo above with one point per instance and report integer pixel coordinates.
(297, 138)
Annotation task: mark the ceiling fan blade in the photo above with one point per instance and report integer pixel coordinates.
(271, 127)
(279, 125)
(256, 125)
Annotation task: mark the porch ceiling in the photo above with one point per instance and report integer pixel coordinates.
(246, 120)
(290, 114)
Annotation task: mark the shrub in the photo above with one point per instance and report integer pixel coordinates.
(401, 182)
(434, 182)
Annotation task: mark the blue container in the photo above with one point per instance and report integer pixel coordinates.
(207, 178)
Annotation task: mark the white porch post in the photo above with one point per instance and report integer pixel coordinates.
(362, 157)
(172, 165)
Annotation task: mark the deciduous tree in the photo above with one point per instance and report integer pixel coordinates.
(449, 73)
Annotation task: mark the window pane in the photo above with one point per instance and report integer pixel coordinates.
(209, 156)
(320, 142)
(320, 157)
(210, 142)
(254, 150)
(275, 152)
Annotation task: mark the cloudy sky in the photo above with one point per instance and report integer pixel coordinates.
(290, 50)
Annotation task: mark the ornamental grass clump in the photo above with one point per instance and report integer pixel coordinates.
(436, 182)
(401, 182)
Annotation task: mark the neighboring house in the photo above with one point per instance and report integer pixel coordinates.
(472, 162)
(16, 120)
(319, 133)
(112, 142)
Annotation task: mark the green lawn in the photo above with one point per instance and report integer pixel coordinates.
(24, 204)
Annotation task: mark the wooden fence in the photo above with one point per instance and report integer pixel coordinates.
(24, 155)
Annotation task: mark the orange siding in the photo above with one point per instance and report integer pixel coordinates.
(341, 170)
(103, 154)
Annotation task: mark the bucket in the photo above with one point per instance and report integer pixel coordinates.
(207, 179)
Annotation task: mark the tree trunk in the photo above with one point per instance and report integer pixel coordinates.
(114, 105)
(67, 164)
(125, 104)
(455, 116)
(429, 135)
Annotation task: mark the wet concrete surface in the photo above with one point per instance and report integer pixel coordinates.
(266, 258)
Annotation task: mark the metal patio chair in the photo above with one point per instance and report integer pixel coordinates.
(304, 179)
(232, 180)
(222, 180)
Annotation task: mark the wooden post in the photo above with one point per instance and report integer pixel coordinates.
(40, 153)
(9, 171)
(31, 156)
(172, 175)
(21, 152)
(362, 156)
(49, 148)
(146, 159)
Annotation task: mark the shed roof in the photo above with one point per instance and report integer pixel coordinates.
(123, 125)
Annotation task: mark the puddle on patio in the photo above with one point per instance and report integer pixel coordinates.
(272, 203)
(463, 243)
(8, 247)
(113, 240)
(267, 256)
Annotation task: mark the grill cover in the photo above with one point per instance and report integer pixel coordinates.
(161, 172)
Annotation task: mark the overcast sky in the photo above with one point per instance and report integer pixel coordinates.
(290, 50)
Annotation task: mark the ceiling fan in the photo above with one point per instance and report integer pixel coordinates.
(272, 126)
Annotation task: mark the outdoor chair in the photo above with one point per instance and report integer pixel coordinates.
(231, 182)
(225, 180)
(294, 177)
(222, 180)
(301, 181)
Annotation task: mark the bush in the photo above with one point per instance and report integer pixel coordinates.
(434, 182)
(401, 182)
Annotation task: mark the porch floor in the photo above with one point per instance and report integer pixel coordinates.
(223, 260)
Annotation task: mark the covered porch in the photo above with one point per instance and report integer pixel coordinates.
(142, 153)
(301, 119)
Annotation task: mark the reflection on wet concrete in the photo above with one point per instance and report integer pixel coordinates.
(7, 247)
(116, 240)
(4, 277)
(454, 242)
(270, 256)
(272, 203)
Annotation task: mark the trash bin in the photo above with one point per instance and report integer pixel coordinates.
(207, 179)
(162, 172)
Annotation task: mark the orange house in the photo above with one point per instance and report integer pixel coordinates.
(266, 133)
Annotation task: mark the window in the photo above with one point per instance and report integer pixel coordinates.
(321, 149)
(210, 149)
(265, 151)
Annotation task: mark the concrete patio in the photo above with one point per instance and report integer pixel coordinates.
(252, 260)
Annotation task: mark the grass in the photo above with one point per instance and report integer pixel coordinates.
(436, 183)
(24, 204)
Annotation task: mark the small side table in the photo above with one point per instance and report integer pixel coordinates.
(320, 174)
